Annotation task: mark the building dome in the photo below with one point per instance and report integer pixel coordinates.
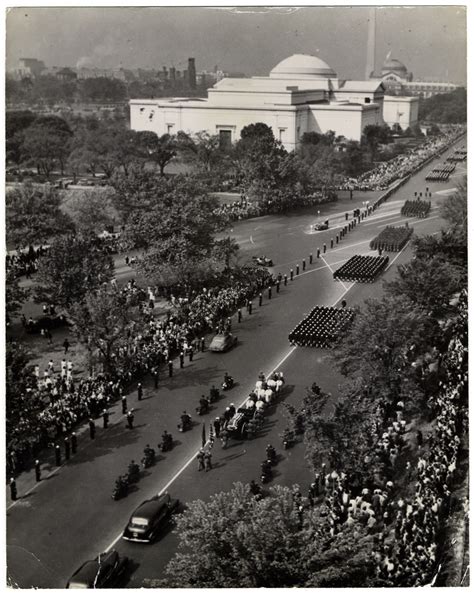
(392, 65)
(302, 66)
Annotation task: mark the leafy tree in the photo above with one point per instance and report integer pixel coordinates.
(102, 89)
(386, 336)
(91, 210)
(225, 250)
(33, 215)
(159, 149)
(448, 108)
(73, 267)
(203, 150)
(374, 135)
(15, 296)
(46, 143)
(454, 208)
(138, 191)
(235, 540)
(428, 283)
(16, 122)
(102, 322)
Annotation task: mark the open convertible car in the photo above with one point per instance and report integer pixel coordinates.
(222, 342)
(321, 226)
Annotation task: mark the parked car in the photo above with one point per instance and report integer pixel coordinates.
(222, 342)
(321, 226)
(149, 517)
(262, 260)
(104, 571)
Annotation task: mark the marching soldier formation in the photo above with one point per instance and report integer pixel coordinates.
(361, 269)
(441, 173)
(416, 208)
(391, 239)
(322, 327)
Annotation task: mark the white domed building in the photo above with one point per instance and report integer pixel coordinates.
(301, 94)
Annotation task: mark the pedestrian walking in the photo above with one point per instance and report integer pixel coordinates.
(170, 368)
(181, 360)
(13, 489)
(239, 315)
(217, 426)
(37, 471)
(130, 418)
(140, 391)
(91, 428)
(57, 454)
(208, 460)
(200, 460)
(105, 418)
(73, 442)
(124, 405)
(156, 375)
(67, 448)
(66, 345)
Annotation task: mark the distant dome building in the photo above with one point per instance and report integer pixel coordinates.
(395, 67)
(302, 66)
(301, 94)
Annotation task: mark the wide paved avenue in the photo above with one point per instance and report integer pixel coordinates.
(71, 517)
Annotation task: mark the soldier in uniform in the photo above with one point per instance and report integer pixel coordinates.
(73, 442)
(124, 405)
(92, 428)
(208, 460)
(105, 418)
(67, 448)
(170, 368)
(181, 359)
(13, 489)
(140, 391)
(217, 426)
(57, 454)
(130, 419)
(200, 459)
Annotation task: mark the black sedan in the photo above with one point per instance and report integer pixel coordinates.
(149, 518)
(102, 572)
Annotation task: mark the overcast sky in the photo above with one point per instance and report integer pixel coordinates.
(429, 40)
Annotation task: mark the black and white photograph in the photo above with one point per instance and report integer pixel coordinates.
(236, 296)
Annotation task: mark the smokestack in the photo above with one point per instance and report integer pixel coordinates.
(191, 73)
(370, 64)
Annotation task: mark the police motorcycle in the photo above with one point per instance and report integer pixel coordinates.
(203, 407)
(271, 454)
(186, 422)
(228, 382)
(267, 473)
(121, 488)
(256, 490)
(288, 438)
(214, 394)
(166, 442)
(149, 457)
(133, 472)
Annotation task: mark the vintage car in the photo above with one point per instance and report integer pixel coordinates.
(149, 518)
(262, 260)
(321, 226)
(104, 571)
(222, 342)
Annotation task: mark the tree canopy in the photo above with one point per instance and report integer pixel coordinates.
(33, 215)
(73, 267)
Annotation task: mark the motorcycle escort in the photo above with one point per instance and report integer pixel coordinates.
(267, 473)
(149, 457)
(288, 439)
(166, 442)
(133, 472)
(271, 454)
(203, 407)
(120, 489)
(228, 382)
(186, 422)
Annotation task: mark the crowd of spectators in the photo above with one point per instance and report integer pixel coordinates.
(24, 262)
(397, 168)
(60, 402)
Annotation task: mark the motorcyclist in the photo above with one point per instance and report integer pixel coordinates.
(255, 488)
(166, 441)
(271, 453)
(232, 409)
(228, 381)
(149, 453)
(266, 470)
(133, 470)
(214, 394)
(203, 405)
(185, 420)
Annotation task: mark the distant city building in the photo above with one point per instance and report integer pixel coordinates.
(398, 81)
(301, 94)
(28, 68)
(191, 73)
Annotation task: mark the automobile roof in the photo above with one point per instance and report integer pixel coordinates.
(149, 508)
